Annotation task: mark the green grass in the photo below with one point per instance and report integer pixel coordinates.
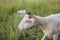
(9, 22)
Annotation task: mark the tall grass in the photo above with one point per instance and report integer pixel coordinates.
(9, 22)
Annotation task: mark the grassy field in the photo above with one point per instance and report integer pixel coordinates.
(9, 22)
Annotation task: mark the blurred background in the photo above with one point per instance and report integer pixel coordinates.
(9, 22)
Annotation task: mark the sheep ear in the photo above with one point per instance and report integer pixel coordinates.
(30, 15)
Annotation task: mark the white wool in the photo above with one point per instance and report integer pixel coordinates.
(50, 25)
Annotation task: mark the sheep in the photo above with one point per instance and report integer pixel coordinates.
(50, 25)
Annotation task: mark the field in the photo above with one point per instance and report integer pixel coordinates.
(9, 22)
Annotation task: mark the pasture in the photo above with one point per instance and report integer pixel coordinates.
(9, 22)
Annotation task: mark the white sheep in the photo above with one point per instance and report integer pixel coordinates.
(50, 25)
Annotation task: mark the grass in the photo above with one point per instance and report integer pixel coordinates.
(9, 22)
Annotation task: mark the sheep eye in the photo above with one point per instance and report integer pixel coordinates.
(29, 21)
(26, 21)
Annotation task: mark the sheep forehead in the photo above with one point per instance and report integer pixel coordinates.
(26, 17)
